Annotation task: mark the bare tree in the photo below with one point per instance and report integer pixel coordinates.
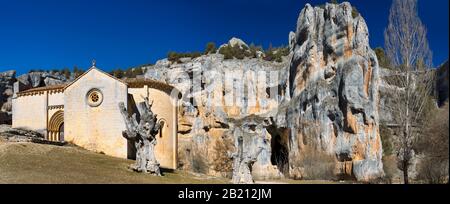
(406, 37)
(142, 134)
(407, 49)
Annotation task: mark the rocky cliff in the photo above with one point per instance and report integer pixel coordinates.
(217, 93)
(317, 107)
(27, 81)
(334, 79)
(7, 80)
(39, 79)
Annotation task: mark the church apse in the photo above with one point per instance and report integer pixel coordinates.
(165, 107)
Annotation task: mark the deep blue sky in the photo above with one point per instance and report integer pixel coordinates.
(51, 34)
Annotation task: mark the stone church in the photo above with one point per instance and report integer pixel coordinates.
(85, 112)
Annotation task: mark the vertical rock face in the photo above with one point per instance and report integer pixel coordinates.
(6, 91)
(333, 83)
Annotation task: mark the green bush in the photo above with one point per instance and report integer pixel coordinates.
(210, 48)
(77, 71)
(129, 73)
(66, 72)
(230, 52)
(382, 59)
(271, 54)
(36, 70)
(276, 54)
(118, 73)
(175, 57)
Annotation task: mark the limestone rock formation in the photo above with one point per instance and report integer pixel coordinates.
(26, 81)
(327, 99)
(333, 83)
(322, 98)
(39, 79)
(7, 80)
(204, 115)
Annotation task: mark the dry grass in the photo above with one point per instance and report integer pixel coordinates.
(27, 163)
(434, 144)
(392, 173)
(317, 165)
(222, 162)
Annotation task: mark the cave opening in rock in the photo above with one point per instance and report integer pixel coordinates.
(280, 151)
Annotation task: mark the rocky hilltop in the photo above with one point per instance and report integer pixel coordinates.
(317, 111)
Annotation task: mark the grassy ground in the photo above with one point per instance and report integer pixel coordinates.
(27, 163)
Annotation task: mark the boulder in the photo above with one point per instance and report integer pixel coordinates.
(35, 79)
(237, 42)
(51, 81)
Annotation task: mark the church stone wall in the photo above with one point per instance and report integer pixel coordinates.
(165, 108)
(30, 112)
(98, 128)
(56, 99)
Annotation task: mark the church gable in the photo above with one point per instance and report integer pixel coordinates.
(92, 73)
(92, 116)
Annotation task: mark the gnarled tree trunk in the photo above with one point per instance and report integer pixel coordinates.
(143, 135)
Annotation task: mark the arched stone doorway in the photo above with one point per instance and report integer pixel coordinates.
(56, 127)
